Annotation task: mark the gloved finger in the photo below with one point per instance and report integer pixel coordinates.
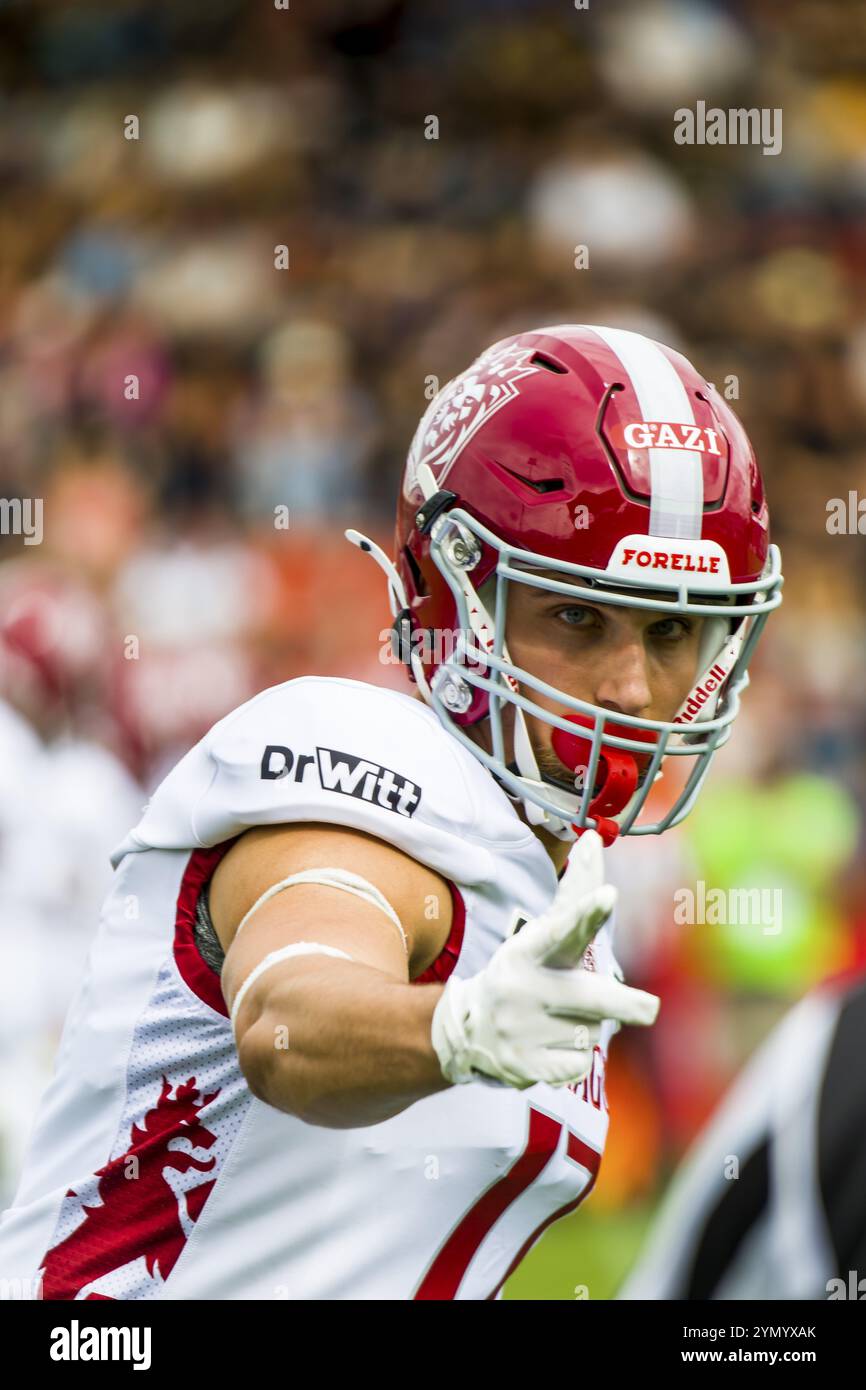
(586, 861)
(562, 933)
(569, 947)
(584, 995)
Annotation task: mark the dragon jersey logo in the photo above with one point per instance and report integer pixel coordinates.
(461, 408)
(138, 1213)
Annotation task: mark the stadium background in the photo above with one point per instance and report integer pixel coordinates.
(163, 593)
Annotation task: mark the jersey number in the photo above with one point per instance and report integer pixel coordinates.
(443, 1278)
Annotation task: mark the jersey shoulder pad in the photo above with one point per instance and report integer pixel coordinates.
(342, 752)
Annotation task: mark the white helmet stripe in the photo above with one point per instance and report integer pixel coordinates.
(676, 475)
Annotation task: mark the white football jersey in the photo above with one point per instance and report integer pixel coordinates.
(153, 1172)
(60, 807)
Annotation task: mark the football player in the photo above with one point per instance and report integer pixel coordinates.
(344, 1025)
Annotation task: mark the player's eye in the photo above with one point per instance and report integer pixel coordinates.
(577, 616)
(675, 628)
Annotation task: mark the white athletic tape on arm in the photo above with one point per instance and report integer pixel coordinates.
(297, 948)
(332, 878)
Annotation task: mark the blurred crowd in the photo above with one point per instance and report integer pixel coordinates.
(240, 244)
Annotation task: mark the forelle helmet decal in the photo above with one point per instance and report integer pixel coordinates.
(703, 562)
(563, 458)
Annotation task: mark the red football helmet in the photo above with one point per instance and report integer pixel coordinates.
(602, 455)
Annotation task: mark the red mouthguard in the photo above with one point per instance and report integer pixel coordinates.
(616, 775)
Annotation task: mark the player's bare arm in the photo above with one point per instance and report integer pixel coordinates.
(358, 1031)
(345, 1039)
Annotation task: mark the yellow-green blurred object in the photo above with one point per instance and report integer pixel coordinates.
(788, 841)
(583, 1258)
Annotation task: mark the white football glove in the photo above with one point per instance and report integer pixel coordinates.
(534, 1013)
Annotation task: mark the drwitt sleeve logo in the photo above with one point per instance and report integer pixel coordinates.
(346, 773)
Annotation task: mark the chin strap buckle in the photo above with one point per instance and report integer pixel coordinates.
(607, 829)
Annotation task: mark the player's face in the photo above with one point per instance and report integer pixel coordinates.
(628, 660)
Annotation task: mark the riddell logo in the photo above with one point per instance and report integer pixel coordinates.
(662, 434)
(713, 680)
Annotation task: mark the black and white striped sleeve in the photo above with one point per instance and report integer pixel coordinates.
(771, 1201)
